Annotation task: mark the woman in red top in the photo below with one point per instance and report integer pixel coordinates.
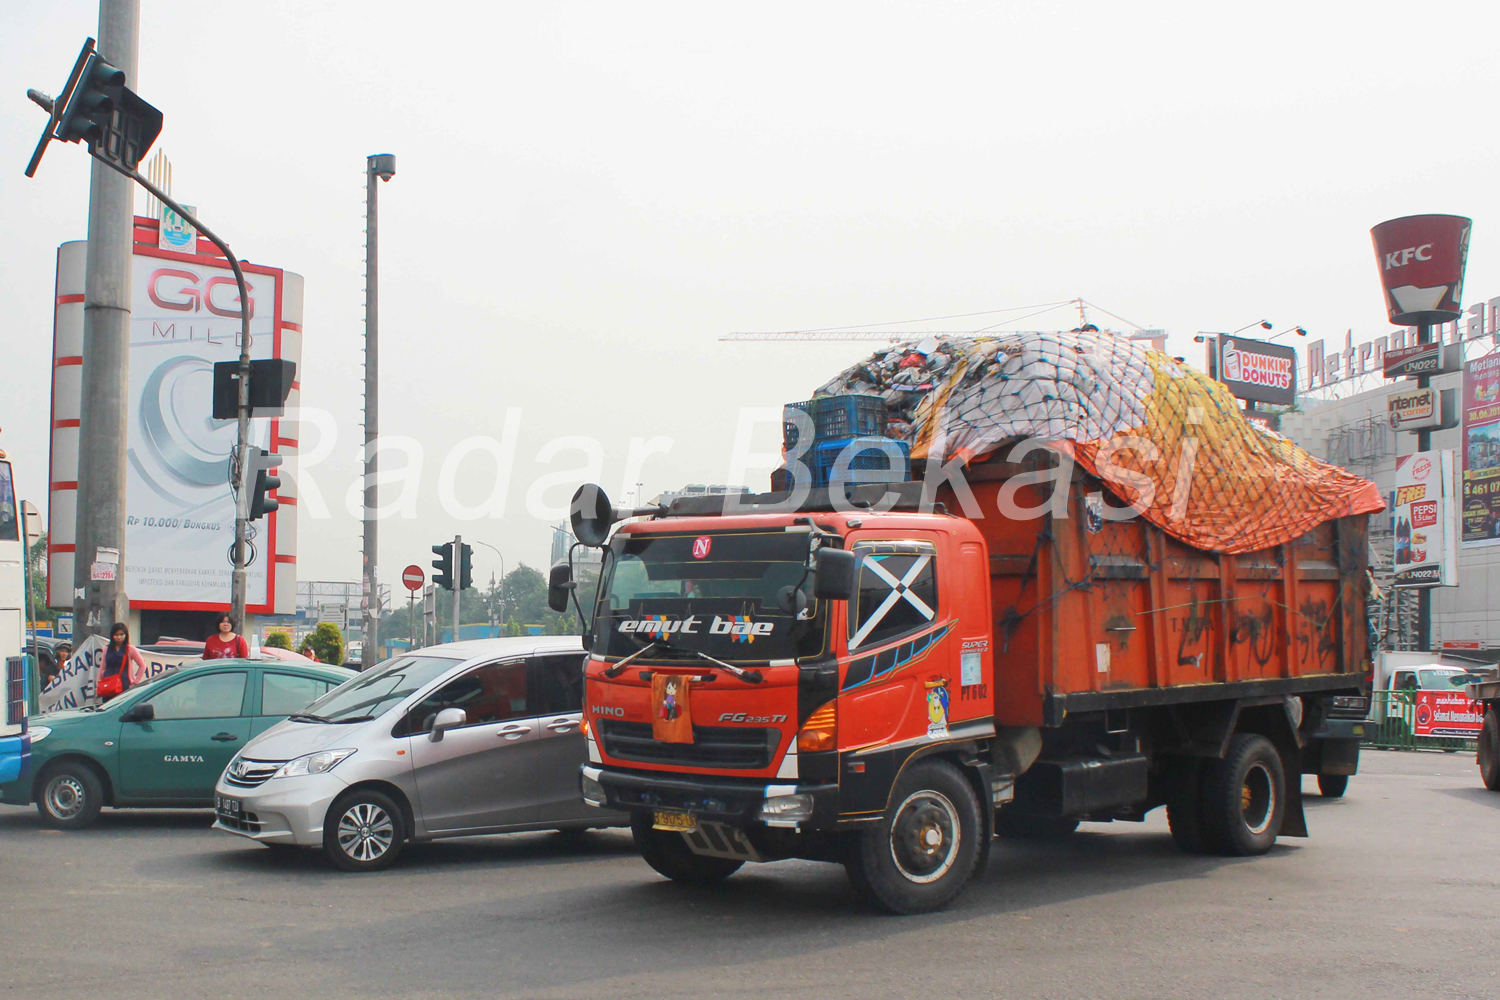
(226, 644)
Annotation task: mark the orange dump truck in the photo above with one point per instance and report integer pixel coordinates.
(888, 690)
(886, 676)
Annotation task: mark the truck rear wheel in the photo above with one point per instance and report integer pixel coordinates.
(1489, 750)
(1185, 808)
(1244, 797)
(925, 849)
(1333, 786)
(668, 853)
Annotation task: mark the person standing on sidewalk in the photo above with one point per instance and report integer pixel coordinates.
(114, 678)
(226, 643)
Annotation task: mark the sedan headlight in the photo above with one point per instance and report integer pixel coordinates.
(313, 763)
(38, 733)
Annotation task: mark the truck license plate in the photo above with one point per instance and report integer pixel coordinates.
(675, 822)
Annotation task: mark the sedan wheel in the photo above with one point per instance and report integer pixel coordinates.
(364, 832)
(71, 796)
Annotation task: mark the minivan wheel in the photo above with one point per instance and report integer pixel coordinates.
(71, 796)
(364, 831)
(925, 849)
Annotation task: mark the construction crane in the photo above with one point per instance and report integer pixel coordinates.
(855, 335)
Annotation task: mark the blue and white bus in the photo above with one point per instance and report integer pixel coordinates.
(15, 744)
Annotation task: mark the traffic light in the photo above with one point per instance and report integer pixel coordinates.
(96, 108)
(466, 567)
(264, 480)
(91, 107)
(270, 384)
(443, 564)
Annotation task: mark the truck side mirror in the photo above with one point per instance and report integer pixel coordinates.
(448, 718)
(835, 574)
(559, 584)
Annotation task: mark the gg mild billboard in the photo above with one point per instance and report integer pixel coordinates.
(179, 510)
(1421, 260)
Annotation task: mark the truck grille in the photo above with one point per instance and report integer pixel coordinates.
(251, 773)
(713, 746)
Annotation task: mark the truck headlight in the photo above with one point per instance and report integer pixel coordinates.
(313, 763)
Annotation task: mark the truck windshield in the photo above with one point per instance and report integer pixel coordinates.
(714, 594)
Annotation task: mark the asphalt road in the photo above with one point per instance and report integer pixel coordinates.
(1396, 894)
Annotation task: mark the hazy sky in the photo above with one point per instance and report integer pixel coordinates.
(588, 195)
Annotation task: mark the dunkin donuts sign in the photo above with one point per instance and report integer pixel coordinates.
(1257, 370)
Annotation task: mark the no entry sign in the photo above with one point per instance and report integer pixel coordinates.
(412, 577)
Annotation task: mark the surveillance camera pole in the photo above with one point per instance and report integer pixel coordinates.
(382, 166)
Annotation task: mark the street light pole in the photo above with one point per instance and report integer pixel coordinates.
(502, 577)
(383, 166)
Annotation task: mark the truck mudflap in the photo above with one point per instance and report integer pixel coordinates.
(717, 800)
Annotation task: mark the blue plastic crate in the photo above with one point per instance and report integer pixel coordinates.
(838, 417)
(873, 460)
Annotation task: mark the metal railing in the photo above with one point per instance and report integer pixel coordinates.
(1405, 720)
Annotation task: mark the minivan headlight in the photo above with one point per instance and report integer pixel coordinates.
(313, 763)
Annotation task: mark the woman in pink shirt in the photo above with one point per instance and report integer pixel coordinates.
(118, 656)
(226, 644)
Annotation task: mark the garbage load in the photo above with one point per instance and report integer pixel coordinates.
(1164, 437)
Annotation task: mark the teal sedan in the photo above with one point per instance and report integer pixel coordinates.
(163, 743)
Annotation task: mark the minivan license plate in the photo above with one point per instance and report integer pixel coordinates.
(224, 805)
(673, 821)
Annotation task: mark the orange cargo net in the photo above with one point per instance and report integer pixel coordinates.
(1164, 437)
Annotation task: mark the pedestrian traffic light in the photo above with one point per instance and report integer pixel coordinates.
(443, 578)
(263, 479)
(466, 567)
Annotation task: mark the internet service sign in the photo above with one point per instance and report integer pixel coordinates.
(1258, 371)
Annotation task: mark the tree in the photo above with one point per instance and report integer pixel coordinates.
(327, 641)
(278, 639)
(38, 559)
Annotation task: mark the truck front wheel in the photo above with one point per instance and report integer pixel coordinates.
(668, 853)
(1489, 750)
(1244, 797)
(925, 848)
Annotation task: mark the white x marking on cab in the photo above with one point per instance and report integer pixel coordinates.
(899, 590)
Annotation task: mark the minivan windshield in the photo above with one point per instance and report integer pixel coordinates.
(377, 690)
(715, 594)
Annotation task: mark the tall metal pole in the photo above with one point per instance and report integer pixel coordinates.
(103, 414)
(1424, 443)
(383, 166)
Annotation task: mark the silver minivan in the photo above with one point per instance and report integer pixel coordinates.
(475, 737)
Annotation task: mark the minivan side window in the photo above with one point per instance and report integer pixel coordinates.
(488, 694)
(560, 683)
(213, 696)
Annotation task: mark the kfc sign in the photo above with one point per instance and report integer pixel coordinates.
(1421, 260)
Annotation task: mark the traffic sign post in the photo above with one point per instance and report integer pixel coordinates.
(413, 577)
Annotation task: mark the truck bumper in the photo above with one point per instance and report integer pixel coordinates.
(722, 800)
(1342, 729)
